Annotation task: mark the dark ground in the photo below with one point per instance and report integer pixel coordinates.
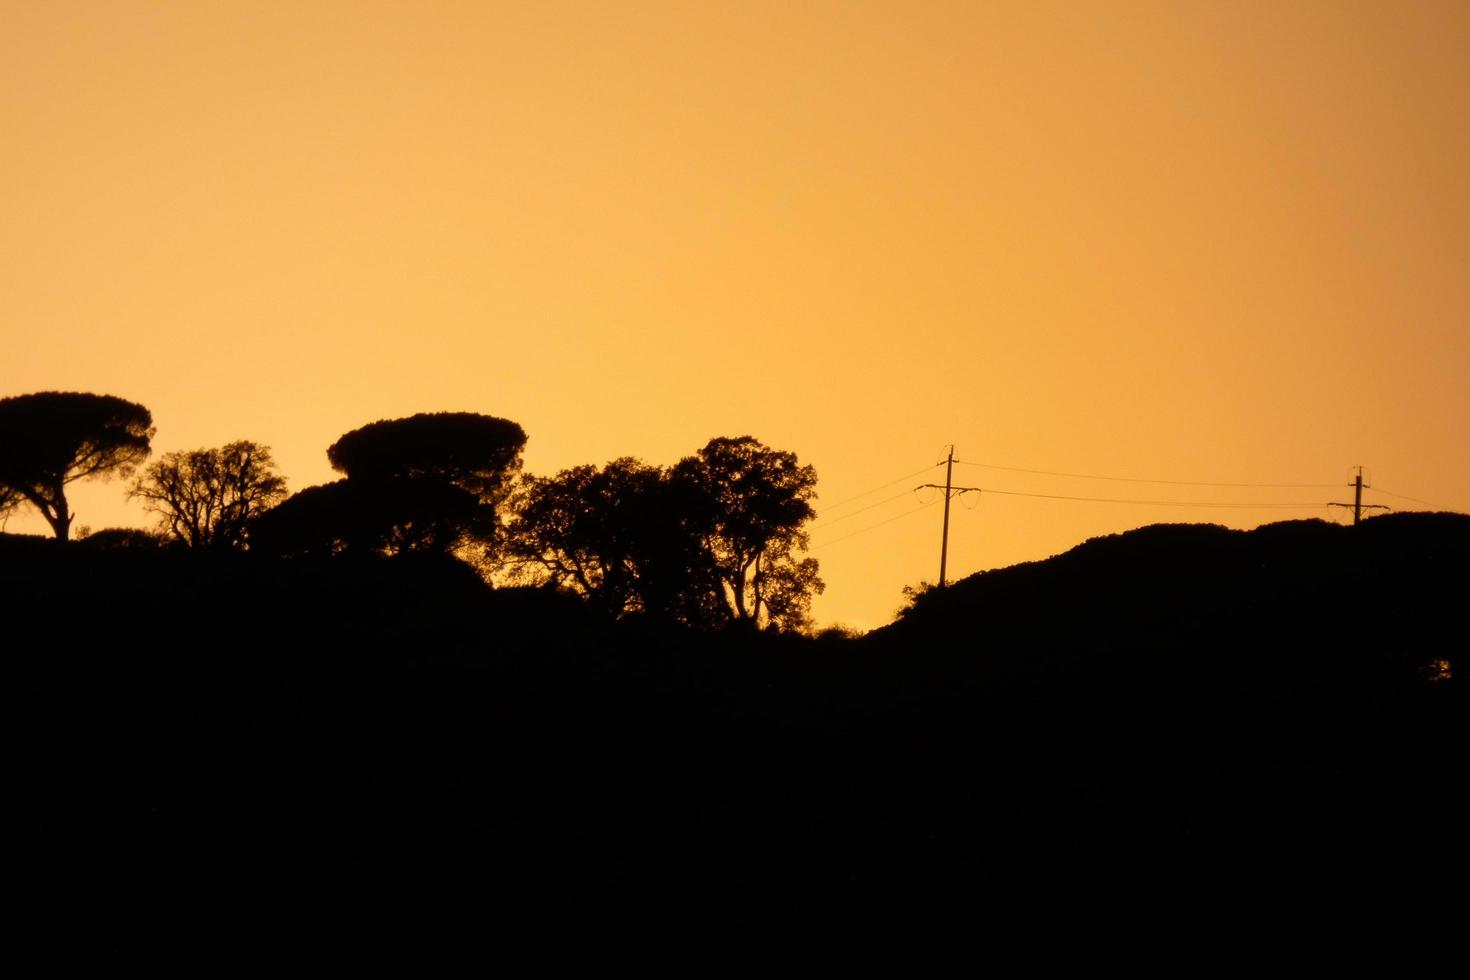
(1179, 723)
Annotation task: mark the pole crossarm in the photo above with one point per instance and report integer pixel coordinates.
(1357, 505)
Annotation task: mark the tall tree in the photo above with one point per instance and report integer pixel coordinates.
(206, 498)
(414, 464)
(748, 503)
(53, 438)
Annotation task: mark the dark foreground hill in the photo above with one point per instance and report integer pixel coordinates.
(1175, 721)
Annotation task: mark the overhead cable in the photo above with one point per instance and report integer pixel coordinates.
(861, 510)
(1156, 503)
(870, 527)
(1426, 503)
(1129, 479)
(847, 500)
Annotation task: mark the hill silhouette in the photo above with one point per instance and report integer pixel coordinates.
(339, 750)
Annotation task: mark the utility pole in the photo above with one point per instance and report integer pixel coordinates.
(944, 538)
(1357, 505)
(950, 490)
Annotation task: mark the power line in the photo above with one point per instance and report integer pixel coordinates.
(1401, 496)
(906, 477)
(1079, 476)
(861, 510)
(870, 527)
(1156, 503)
(1129, 479)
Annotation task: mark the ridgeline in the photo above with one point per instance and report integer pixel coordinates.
(383, 750)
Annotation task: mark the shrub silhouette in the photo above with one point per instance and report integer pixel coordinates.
(120, 539)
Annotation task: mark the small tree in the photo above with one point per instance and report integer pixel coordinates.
(206, 498)
(53, 438)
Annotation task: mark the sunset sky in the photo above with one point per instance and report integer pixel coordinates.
(1208, 242)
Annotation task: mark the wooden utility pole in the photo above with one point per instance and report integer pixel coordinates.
(950, 490)
(944, 538)
(1357, 505)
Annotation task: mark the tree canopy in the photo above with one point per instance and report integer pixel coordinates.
(477, 453)
(207, 497)
(429, 481)
(53, 438)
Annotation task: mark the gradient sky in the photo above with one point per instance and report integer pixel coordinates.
(1219, 242)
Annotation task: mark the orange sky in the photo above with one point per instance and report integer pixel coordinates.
(1191, 241)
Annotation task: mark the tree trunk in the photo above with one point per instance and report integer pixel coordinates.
(738, 587)
(755, 584)
(61, 521)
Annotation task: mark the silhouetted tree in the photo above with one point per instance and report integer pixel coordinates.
(383, 517)
(581, 530)
(713, 541)
(747, 502)
(475, 456)
(207, 497)
(615, 535)
(477, 453)
(53, 438)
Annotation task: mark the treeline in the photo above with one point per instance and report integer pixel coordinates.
(715, 541)
(277, 741)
